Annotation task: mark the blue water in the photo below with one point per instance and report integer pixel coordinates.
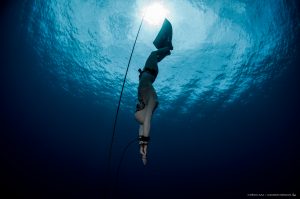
(228, 120)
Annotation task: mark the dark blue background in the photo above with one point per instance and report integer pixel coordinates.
(258, 151)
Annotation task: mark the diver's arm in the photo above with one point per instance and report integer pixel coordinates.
(141, 129)
(146, 128)
(145, 125)
(148, 116)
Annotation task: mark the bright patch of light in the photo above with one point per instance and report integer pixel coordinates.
(155, 13)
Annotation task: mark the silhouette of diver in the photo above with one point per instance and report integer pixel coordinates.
(147, 98)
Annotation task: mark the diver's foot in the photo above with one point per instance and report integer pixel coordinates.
(161, 56)
(169, 44)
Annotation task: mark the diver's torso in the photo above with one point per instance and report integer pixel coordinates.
(146, 80)
(146, 89)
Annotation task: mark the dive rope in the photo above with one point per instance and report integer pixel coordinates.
(117, 112)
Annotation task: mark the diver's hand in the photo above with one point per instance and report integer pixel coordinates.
(143, 152)
(143, 149)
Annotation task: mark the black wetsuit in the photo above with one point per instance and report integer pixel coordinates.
(146, 79)
(148, 76)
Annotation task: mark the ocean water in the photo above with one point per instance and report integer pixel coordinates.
(228, 120)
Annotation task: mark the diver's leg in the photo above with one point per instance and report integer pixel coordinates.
(157, 56)
(151, 60)
(162, 53)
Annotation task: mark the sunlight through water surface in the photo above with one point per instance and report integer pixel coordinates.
(222, 49)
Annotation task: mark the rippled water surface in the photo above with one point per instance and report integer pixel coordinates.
(222, 49)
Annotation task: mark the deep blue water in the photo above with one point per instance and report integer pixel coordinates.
(227, 125)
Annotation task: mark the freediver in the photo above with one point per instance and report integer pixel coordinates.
(147, 97)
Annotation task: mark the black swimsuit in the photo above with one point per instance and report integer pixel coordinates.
(145, 90)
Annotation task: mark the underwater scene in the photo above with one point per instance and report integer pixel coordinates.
(213, 111)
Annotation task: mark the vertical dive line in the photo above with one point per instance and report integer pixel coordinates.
(115, 186)
(116, 117)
